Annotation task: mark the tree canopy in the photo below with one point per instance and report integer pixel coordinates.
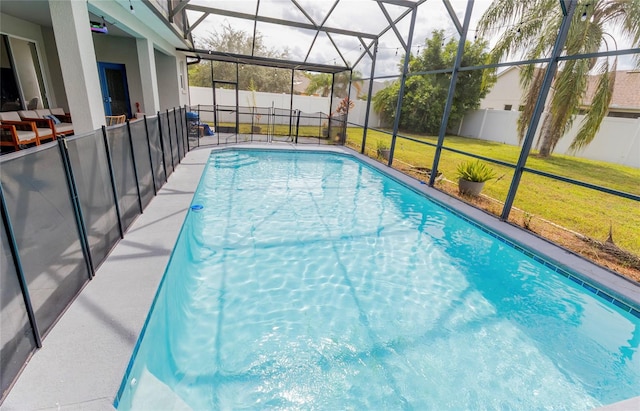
(231, 40)
(425, 95)
(531, 30)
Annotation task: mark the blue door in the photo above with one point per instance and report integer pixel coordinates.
(115, 92)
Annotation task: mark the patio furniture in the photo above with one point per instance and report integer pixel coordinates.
(113, 120)
(43, 133)
(45, 126)
(62, 122)
(18, 135)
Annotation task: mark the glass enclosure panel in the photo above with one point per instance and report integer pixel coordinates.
(163, 121)
(123, 172)
(143, 163)
(156, 150)
(43, 218)
(87, 154)
(16, 338)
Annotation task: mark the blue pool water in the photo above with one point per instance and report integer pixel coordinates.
(312, 281)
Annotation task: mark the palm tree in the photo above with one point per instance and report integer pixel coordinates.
(322, 83)
(533, 26)
(319, 82)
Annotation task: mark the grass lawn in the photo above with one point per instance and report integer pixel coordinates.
(583, 210)
(277, 129)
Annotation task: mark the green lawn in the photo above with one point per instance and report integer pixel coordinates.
(277, 129)
(579, 209)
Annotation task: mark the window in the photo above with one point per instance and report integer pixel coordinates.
(20, 76)
(508, 107)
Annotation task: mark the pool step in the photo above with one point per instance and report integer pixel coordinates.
(233, 160)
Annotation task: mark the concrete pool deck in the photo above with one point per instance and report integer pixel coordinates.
(84, 357)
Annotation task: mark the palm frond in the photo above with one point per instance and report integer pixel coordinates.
(570, 86)
(599, 108)
(529, 103)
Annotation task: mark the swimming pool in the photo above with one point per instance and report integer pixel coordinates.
(313, 281)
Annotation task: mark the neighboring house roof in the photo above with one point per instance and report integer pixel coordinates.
(626, 91)
(626, 96)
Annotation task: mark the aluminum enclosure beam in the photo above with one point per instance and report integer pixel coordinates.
(263, 61)
(405, 69)
(392, 25)
(177, 9)
(366, 113)
(552, 67)
(454, 17)
(452, 89)
(281, 22)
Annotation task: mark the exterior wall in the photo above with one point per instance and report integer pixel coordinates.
(168, 82)
(506, 91)
(183, 82)
(617, 141)
(121, 50)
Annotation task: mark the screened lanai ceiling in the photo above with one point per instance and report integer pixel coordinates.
(318, 35)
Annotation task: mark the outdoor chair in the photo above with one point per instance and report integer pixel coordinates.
(18, 135)
(113, 120)
(62, 122)
(46, 127)
(43, 133)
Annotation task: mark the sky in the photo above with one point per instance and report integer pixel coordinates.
(356, 15)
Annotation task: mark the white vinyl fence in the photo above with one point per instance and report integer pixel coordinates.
(306, 104)
(617, 141)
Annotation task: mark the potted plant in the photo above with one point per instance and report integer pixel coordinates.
(472, 175)
(382, 148)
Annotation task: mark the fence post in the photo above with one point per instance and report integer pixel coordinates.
(15, 256)
(297, 126)
(198, 127)
(175, 122)
(135, 166)
(185, 128)
(153, 174)
(77, 210)
(164, 155)
(113, 181)
(173, 164)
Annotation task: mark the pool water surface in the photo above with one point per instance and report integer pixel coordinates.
(313, 281)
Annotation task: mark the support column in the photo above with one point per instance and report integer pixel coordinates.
(148, 76)
(71, 27)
